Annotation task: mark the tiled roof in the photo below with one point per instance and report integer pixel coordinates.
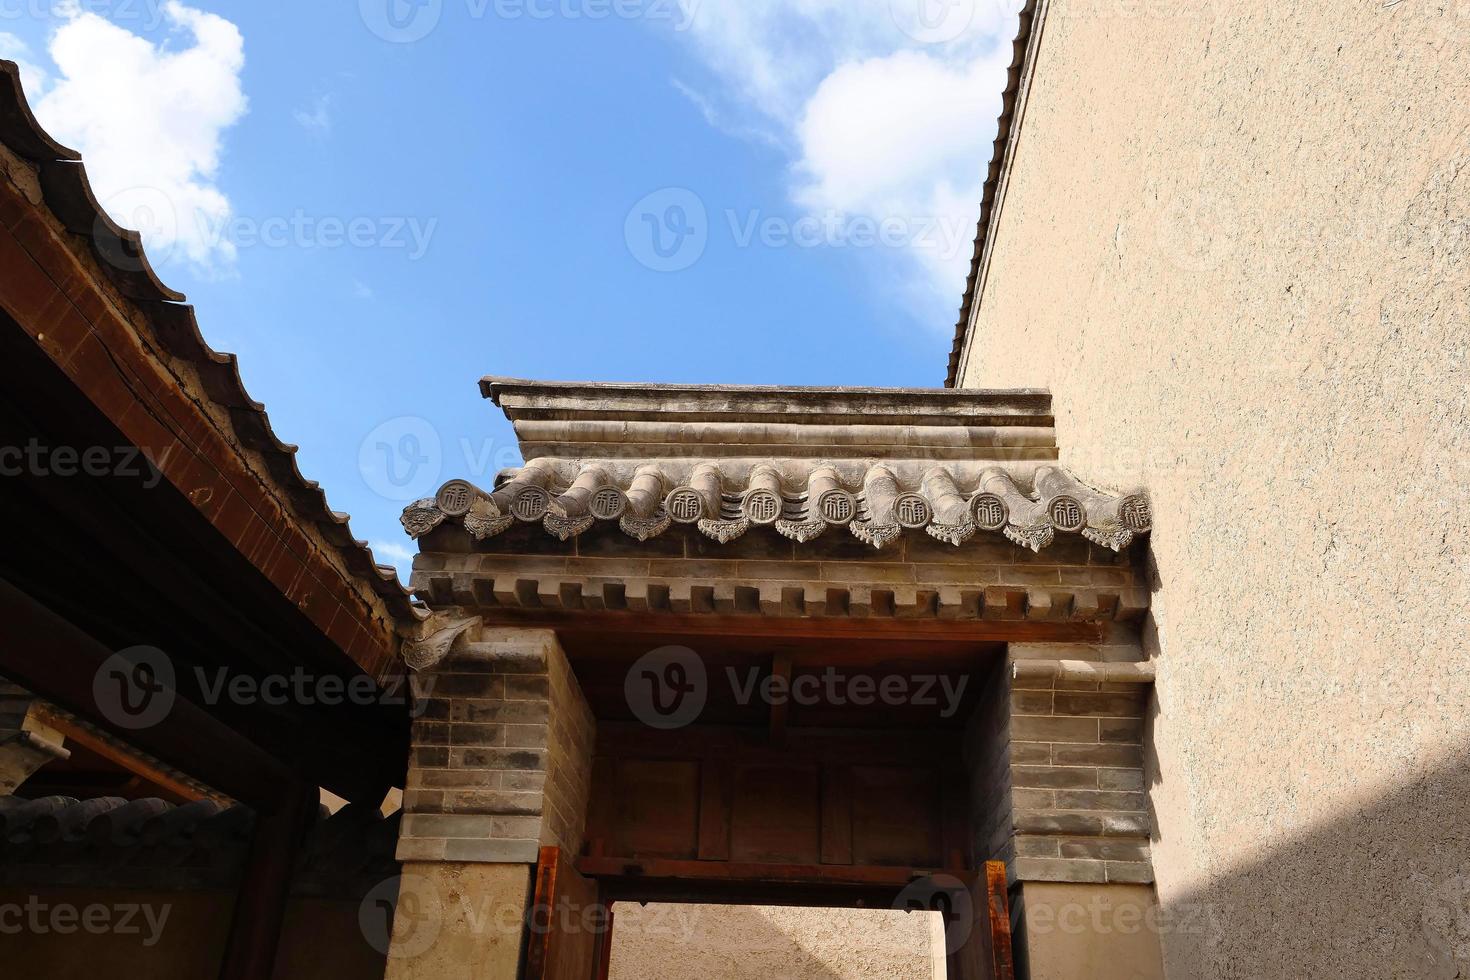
(61, 837)
(877, 461)
(66, 192)
(727, 499)
(112, 820)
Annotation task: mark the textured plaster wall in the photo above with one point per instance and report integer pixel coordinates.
(1234, 245)
(673, 942)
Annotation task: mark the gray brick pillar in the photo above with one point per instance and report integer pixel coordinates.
(501, 765)
(1056, 758)
(1055, 755)
(502, 753)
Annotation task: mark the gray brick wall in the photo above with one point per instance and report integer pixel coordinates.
(502, 750)
(1057, 779)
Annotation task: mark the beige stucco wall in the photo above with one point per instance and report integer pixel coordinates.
(1234, 245)
(672, 942)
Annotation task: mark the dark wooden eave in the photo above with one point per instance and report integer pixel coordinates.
(233, 561)
(82, 290)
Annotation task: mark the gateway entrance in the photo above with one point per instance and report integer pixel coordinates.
(808, 647)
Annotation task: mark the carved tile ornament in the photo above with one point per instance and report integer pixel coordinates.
(434, 637)
(877, 513)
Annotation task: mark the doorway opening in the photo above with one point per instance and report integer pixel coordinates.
(664, 941)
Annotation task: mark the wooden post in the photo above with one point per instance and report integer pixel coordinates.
(1003, 963)
(260, 906)
(604, 953)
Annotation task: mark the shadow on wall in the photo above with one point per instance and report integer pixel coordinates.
(1380, 892)
(738, 942)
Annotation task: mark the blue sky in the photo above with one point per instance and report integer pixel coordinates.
(376, 202)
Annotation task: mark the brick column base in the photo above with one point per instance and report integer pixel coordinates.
(459, 921)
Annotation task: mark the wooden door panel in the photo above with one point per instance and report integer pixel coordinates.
(777, 814)
(896, 816)
(658, 808)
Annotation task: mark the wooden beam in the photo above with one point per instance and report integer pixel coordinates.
(737, 744)
(131, 762)
(57, 661)
(260, 906)
(811, 627)
(604, 951)
(559, 945)
(729, 871)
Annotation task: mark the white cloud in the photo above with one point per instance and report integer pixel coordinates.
(872, 126)
(319, 118)
(362, 290)
(148, 119)
(883, 121)
(906, 137)
(715, 117)
(393, 551)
